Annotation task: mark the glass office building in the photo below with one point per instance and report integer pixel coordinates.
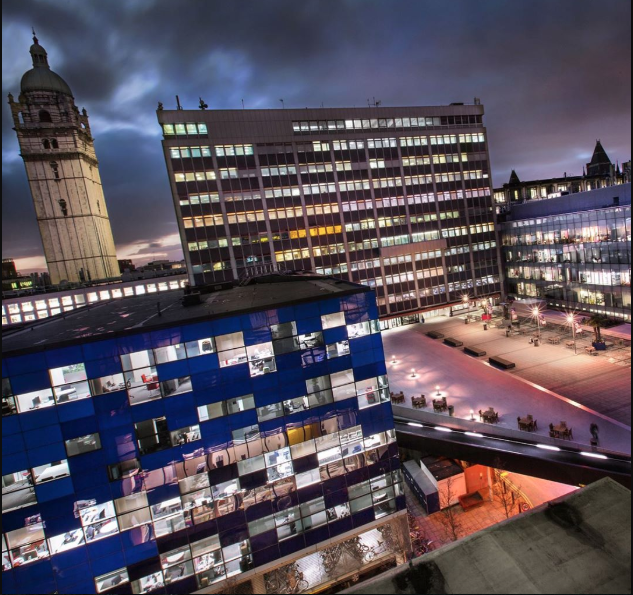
(398, 199)
(175, 449)
(573, 251)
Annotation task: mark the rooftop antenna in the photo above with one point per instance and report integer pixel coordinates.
(243, 104)
(178, 102)
(368, 103)
(34, 36)
(202, 104)
(283, 105)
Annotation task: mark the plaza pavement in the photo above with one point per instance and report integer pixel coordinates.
(469, 384)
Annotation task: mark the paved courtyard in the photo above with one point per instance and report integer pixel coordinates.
(596, 390)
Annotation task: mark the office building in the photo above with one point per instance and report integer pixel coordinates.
(63, 173)
(398, 199)
(574, 251)
(244, 442)
(12, 280)
(598, 173)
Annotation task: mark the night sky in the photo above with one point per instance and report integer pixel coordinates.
(553, 76)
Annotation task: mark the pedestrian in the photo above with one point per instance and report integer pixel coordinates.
(422, 319)
(593, 428)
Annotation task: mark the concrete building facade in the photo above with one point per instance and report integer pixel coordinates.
(394, 198)
(63, 173)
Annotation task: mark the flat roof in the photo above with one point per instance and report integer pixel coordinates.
(579, 543)
(131, 314)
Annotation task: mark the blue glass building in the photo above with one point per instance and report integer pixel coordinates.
(151, 447)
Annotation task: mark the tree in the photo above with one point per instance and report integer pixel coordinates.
(506, 497)
(598, 321)
(448, 512)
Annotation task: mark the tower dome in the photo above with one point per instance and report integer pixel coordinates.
(41, 77)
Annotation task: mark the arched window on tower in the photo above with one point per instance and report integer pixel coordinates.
(54, 144)
(46, 144)
(55, 169)
(45, 116)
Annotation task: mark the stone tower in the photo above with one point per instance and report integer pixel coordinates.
(63, 174)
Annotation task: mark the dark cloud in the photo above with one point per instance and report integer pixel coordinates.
(553, 76)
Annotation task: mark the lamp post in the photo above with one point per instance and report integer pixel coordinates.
(412, 372)
(437, 388)
(537, 314)
(572, 320)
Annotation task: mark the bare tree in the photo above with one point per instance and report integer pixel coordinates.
(448, 512)
(506, 496)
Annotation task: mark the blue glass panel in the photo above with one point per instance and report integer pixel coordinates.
(357, 476)
(100, 350)
(309, 325)
(264, 556)
(356, 316)
(202, 364)
(341, 526)
(362, 359)
(149, 410)
(363, 517)
(36, 577)
(264, 540)
(39, 418)
(100, 493)
(62, 507)
(46, 454)
(201, 330)
(25, 364)
(11, 425)
(232, 528)
(286, 314)
(309, 493)
(90, 477)
(113, 413)
(333, 335)
(255, 321)
(108, 563)
(133, 343)
(242, 419)
(85, 585)
(289, 546)
(401, 502)
(288, 361)
(239, 373)
(307, 310)
(334, 484)
(68, 576)
(361, 344)
(272, 317)
(265, 381)
(139, 544)
(104, 547)
(76, 410)
(207, 380)
(5, 370)
(159, 459)
(259, 510)
(334, 498)
(329, 306)
(225, 326)
(12, 444)
(76, 557)
(15, 519)
(103, 367)
(317, 535)
(62, 523)
(180, 411)
(48, 435)
(9, 585)
(164, 337)
(256, 336)
(56, 358)
(293, 375)
(74, 429)
(34, 380)
(171, 370)
(187, 585)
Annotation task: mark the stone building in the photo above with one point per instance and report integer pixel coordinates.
(63, 173)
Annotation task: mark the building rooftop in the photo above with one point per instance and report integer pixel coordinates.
(154, 311)
(570, 203)
(580, 543)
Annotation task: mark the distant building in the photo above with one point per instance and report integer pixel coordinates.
(243, 444)
(600, 172)
(573, 251)
(164, 265)
(126, 265)
(395, 198)
(63, 173)
(12, 280)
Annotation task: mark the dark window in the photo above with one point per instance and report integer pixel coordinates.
(45, 116)
(54, 144)
(152, 435)
(46, 144)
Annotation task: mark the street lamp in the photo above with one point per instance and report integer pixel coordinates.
(437, 388)
(393, 359)
(412, 372)
(572, 320)
(537, 314)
